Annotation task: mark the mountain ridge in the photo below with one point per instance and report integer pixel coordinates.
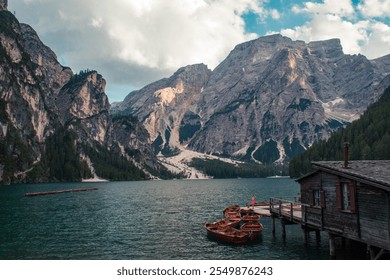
(270, 99)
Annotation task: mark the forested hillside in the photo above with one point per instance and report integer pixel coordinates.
(368, 138)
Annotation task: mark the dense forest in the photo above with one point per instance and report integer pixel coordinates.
(61, 161)
(110, 165)
(220, 169)
(368, 138)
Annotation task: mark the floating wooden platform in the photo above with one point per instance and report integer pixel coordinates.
(60, 191)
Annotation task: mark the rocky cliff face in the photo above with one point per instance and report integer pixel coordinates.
(55, 125)
(83, 106)
(3, 5)
(169, 108)
(268, 100)
(25, 90)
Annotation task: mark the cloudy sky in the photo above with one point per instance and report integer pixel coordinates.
(135, 42)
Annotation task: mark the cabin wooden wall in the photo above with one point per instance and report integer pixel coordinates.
(328, 216)
(313, 214)
(374, 215)
(369, 224)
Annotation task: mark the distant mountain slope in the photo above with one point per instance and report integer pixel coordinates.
(368, 138)
(269, 100)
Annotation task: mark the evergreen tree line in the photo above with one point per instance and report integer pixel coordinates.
(15, 155)
(368, 139)
(62, 159)
(220, 169)
(78, 77)
(110, 165)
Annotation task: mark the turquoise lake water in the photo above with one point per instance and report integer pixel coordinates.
(142, 220)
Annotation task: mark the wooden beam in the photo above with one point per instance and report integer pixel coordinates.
(332, 246)
(283, 224)
(381, 252)
(373, 255)
(305, 235)
(318, 236)
(273, 225)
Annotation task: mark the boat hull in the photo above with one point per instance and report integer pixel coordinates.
(227, 234)
(250, 218)
(253, 229)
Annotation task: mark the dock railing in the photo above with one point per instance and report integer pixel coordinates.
(289, 208)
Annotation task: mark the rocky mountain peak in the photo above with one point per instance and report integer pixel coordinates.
(326, 49)
(3, 5)
(82, 103)
(269, 99)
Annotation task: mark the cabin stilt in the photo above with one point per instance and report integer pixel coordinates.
(305, 235)
(332, 246)
(283, 224)
(273, 225)
(318, 236)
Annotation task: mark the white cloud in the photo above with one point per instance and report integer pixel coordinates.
(339, 19)
(323, 27)
(375, 8)
(343, 8)
(378, 40)
(144, 39)
(275, 14)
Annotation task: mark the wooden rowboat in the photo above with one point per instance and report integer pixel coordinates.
(232, 208)
(228, 222)
(233, 221)
(252, 228)
(232, 214)
(247, 211)
(227, 234)
(250, 218)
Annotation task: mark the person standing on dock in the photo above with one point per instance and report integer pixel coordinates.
(253, 201)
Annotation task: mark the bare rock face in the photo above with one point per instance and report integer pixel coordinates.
(57, 75)
(84, 107)
(3, 5)
(164, 106)
(270, 99)
(43, 102)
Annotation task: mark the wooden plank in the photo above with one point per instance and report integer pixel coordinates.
(59, 191)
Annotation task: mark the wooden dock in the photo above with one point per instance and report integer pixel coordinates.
(289, 210)
(60, 191)
(262, 210)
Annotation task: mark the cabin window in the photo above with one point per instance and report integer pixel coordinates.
(346, 196)
(317, 198)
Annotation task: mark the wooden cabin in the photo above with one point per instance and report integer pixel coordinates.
(350, 200)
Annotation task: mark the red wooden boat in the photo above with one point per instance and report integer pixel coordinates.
(232, 214)
(228, 222)
(252, 228)
(250, 218)
(247, 211)
(232, 208)
(233, 221)
(227, 234)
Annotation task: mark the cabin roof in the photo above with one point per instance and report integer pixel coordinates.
(372, 172)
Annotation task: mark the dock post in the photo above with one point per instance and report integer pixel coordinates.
(305, 236)
(332, 246)
(273, 225)
(283, 223)
(318, 236)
